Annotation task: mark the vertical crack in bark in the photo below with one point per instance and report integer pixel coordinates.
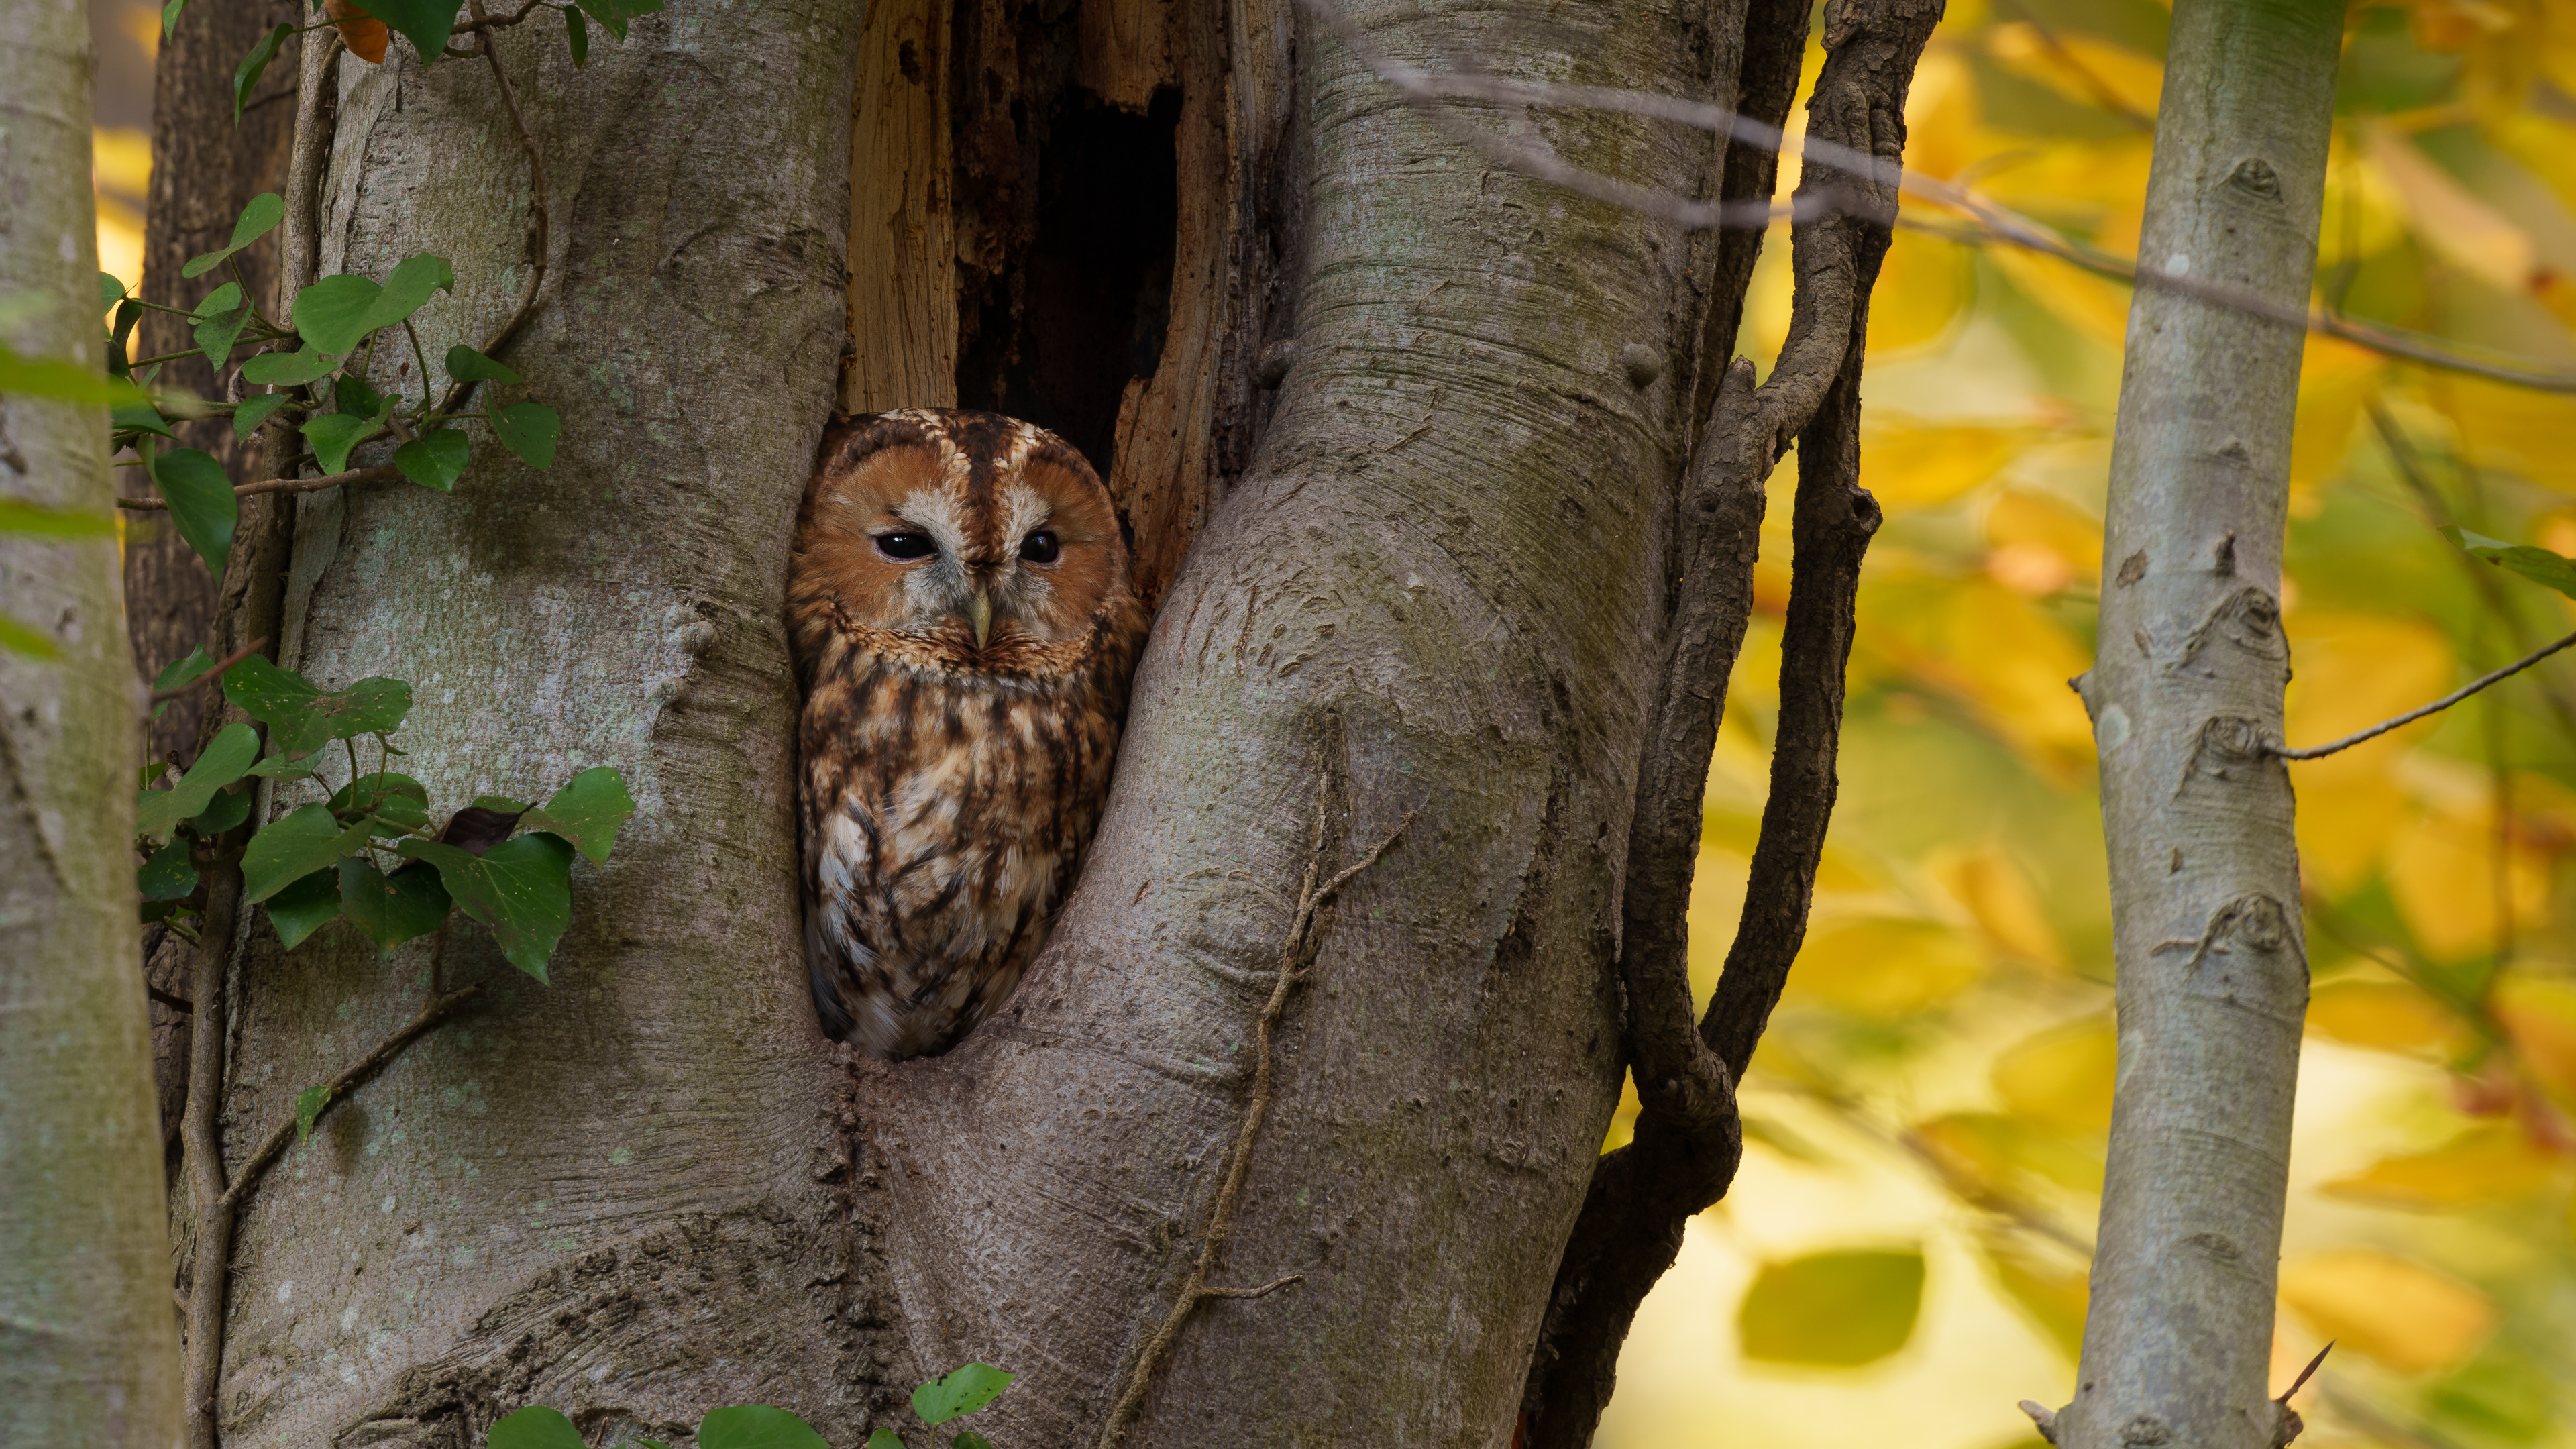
(1689, 1138)
(1296, 959)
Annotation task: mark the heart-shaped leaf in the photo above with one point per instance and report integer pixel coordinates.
(333, 314)
(586, 812)
(529, 430)
(308, 1109)
(304, 907)
(333, 435)
(201, 501)
(960, 1393)
(220, 320)
(435, 459)
(425, 23)
(395, 908)
(616, 13)
(520, 888)
(411, 284)
(303, 717)
(755, 1426)
(464, 364)
(228, 809)
(286, 851)
(227, 758)
(137, 414)
(253, 411)
(258, 219)
(245, 80)
(2536, 564)
(287, 369)
(170, 874)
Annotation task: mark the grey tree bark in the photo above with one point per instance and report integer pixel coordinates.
(2186, 699)
(88, 1344)
(1432, 414)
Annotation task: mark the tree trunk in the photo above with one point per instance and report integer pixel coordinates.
(2186, 697)
(1415, 422)
(88, 1344)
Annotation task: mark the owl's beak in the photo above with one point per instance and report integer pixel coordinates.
(979, 613)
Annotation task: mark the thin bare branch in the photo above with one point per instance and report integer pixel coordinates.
(2283, 751)
(278, 485)
(214, 673)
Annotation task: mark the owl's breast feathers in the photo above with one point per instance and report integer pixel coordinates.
(946, 800)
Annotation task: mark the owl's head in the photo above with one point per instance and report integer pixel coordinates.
(980, 536)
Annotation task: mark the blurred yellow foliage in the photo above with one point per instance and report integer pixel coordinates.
(2392, 1016)
(2403, 1314)
(1884, 968)
(2539, 1013)
(2488, 1162)
(2062, 1077)
(2000, 896)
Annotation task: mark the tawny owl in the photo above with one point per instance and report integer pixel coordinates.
(964, 628)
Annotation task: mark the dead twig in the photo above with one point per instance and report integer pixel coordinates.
(2283, 751)
(215, 672)
(1296, 957)
(278, 485)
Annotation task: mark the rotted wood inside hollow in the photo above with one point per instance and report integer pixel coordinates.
(1039, 225)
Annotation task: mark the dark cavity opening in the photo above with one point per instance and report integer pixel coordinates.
(1093, 292)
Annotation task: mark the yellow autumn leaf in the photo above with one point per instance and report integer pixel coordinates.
(1940, 116)
(2511, 429)
(1910, 462)
(2013, 661)
(2082, 68)
(2336, 380)
(2094, 306)
(2391, 1016)
(2491, 1162)
(2451, 219)
(1999, 895)
(2405, 1315)
(2539, 1014)
(1623, 1122)
(2062, 1077)
(2344, 828)
(1884, 967)
(2054, 1297)
(2034, 523)
(1986, 1155)
(2445, 873)
(1923, 285)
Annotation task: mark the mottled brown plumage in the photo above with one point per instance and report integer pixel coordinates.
(953, 769)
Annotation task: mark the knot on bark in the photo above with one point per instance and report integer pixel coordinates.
(2249, 619)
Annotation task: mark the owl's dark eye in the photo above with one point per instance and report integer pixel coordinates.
(1040, 547)
(906, 545)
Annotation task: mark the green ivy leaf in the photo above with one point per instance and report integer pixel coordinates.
(253, 411)
(170, 874)
(201, 502)
(287, 369)
(286, 851)
(2536, 564)
(961, 1393)
(969, 1439)
(368, 794)
(577, 35)
(335, 435)
(529, 430)
(520, 888)
(464, 364)
(170, 17)
(304, 907)
(110, 290)
(332, 314)
(586, 812)
(356, 396)
(227, 758)
(303, 717)
(534, 1427)
(425, 23)
(883, 1439)
(756, 1427)
(137, 415)
(308, 1106)
(244, 81)
(614, 14)
(395, 908)
(279, 767)
(408, 287)
(264, 211)
(182, 671)
(1835, 1310)
(229, 808)
(127, 314)
(220, 320)
(435, 459)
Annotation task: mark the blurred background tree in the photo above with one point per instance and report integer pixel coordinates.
(1903, 1255)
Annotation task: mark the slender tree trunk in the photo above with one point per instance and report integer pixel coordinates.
(2185, 696)
(88, 1343)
